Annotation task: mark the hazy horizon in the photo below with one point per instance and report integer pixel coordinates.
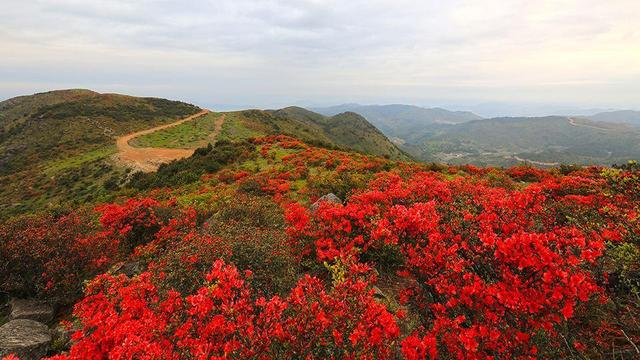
(493, 58)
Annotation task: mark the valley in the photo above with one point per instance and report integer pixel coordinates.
(440, 135)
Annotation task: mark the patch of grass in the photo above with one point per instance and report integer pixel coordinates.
(191, 134)
(101, 153)
(237, 127)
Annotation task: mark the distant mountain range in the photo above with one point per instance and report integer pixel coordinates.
(544, 141)
(630, 117)
(436, 134)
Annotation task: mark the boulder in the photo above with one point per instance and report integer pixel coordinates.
(31, 309)
(331, 198)
(24, 338)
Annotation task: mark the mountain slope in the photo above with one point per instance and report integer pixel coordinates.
(58, 146)
(347, 131)
(402, 121)
(58, 124)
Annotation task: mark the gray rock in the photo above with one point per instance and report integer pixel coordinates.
(331, 198)
(24, 338)
(31, 309)
(130, 269)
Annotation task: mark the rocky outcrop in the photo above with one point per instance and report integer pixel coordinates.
(331, 198)
(27, 339)
(31, 309)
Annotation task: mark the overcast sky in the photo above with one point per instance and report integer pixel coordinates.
(579, 53)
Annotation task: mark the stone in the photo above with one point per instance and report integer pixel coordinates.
(27, 339)
(331, 198)
(130, 269)
(31, 309)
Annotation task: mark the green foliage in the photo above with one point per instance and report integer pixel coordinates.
(625, 260)
(185, 171)
(254, 229)
(340, 184)
(246, 230)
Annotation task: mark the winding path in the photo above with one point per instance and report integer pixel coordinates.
(148, 159)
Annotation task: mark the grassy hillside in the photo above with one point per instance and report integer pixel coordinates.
(58, 145)
(553, 139)
(348, 130)
(59, 124)
(344, 131)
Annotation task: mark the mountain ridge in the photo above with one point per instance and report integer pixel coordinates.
(60, 145)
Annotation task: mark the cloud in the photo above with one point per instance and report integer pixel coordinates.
(283, 51)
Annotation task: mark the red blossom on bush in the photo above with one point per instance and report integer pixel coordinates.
(132, 318)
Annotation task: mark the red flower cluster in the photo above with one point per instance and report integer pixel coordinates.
(494, 267)
(132, 318)
(473, 262)
(50, 255)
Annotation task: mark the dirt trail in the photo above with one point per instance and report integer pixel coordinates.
(149, 159)
(572, 121)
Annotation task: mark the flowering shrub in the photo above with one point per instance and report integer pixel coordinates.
(132, 318)
(469, 262)
(136, 221)
(493, 268)
(50, 255)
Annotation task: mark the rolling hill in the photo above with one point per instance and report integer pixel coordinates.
(402, 122)
(347, 131)
(59, 124)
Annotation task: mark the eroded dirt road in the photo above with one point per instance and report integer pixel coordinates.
(148, 159)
